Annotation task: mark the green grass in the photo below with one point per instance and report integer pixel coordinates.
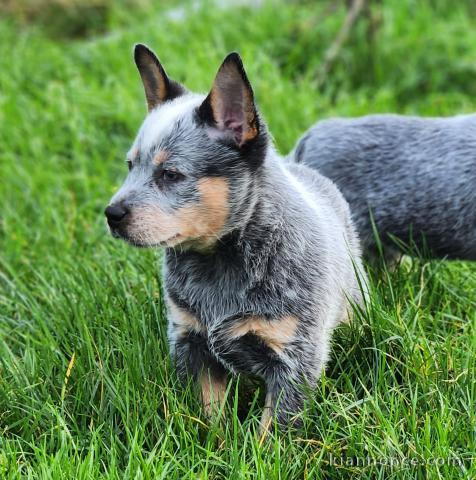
(86, 385)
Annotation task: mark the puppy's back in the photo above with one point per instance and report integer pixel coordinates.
(416, 175)
(339, 238)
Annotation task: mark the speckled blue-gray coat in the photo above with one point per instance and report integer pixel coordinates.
(261, 255)
(416, 175)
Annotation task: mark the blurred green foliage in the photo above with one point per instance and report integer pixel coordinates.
(72, 18)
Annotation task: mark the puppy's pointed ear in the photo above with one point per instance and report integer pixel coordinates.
(157, 86)
(230, 107)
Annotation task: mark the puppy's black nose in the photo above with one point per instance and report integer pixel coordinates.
(115, 213)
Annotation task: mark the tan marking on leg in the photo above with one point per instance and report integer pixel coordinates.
(212, 393)
(184, 321)
(277, 334)
(160, 157)
(266, 417)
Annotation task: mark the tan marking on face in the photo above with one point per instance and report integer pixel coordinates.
(201, 222)
(184, 321)
(277, 334)
(205, 220)
(213, 392)
(160, 157)
(214, 193)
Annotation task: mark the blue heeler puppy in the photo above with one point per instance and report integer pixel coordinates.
(260, 256)
(416, 175)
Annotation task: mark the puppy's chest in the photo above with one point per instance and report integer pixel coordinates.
(207, 295)
(211, 295)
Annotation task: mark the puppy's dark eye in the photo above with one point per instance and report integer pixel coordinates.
(170, 175)
(129, 165)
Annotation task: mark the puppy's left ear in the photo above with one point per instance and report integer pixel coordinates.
(230, 107)
(158, 87)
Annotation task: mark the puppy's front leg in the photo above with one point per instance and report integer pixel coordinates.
(189, 348)
(194, 359)
(284, 398)
(264, 347)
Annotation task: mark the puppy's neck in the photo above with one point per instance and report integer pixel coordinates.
(263, 210)
(257, 238)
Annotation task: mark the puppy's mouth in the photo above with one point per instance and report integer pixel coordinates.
(136, 241)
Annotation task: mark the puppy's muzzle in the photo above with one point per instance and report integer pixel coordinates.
(116, 215)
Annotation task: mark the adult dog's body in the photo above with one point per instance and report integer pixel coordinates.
(417, 176)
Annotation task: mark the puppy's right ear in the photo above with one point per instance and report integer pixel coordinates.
(230, 106)
(157, 86)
